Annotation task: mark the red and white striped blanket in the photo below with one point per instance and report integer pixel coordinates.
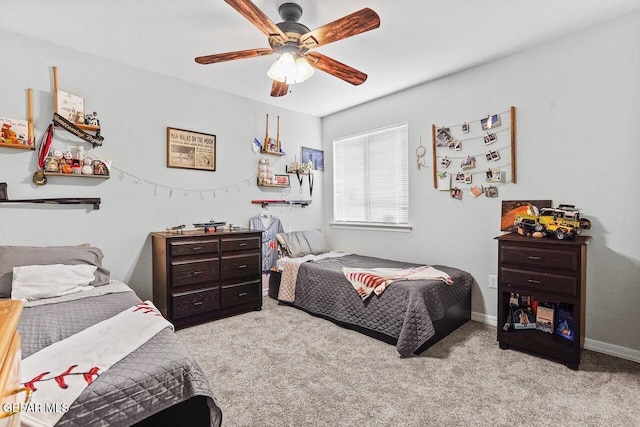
(376, 280)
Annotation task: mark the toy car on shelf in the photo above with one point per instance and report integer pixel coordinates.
(563, 222)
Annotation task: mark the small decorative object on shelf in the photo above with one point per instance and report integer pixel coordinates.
(69, 115)
(15, 133)
(3, 191)
(563, 222)
(272, 146)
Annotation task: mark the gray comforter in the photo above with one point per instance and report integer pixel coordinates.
(157, 375)
(404, 311)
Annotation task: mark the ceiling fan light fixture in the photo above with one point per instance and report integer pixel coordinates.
(289, 70)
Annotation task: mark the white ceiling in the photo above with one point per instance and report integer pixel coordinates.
(418, 40)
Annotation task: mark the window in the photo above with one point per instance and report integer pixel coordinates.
(371, 178)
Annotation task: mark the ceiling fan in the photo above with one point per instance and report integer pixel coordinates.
(293, 41)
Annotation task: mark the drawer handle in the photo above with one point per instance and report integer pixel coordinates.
(537, 258)
(242, 294)
(198, 303)
(534, 281)
(196, 273)
(242, 244)
(241, 266)
(196, 248)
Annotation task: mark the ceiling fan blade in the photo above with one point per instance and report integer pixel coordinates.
(231, 56)
(347, 26)
(250, 11)
(335, 68)
(279, 88)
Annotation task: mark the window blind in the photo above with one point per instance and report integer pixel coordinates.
(371, 177)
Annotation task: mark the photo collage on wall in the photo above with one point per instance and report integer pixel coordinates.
(475, 157)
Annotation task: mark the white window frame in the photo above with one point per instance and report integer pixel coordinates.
(356, 192)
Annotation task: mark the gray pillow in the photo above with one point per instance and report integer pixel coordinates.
(316, 241)
(300, 243)
(18, 256)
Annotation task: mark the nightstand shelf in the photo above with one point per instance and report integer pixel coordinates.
(548, 271)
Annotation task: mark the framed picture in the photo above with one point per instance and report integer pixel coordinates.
(316, 157)
(282, 180)
(69, 105)
(191, 150)
(513, 208)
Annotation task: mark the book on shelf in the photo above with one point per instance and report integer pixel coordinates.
(564, 323)
(523, 318)
(545, 318)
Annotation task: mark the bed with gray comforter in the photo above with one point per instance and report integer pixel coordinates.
(160, 383)
(405, 313)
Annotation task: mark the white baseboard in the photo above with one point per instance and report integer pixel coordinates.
(589, 344)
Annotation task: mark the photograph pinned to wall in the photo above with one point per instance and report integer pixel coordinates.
(445, 162)
(491, 121)
(443, 136)
(494, 175)
(468, 163)
(456, 145)
(492, 156)
(191, 150)
(316, 157)
(444, 181)
(456, 193)
(465, 128)
(477, 191)
(14, 131)
(491, 191)
(513, 208)
(490, 138)
(465, 178)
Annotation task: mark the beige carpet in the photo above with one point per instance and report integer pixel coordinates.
(283, 367)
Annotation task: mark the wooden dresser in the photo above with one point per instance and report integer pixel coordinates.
(546, 270)
(200, 276)
(10, 358)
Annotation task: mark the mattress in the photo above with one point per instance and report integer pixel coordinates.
(155, 377)
(405, 311)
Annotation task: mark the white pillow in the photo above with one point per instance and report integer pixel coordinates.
(32, 282)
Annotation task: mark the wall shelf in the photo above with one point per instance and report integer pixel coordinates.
(95, 201)
(265, 203)
(18, 146)
(74, 175)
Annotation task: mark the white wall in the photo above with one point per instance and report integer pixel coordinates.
(578, 142)
(135, 107)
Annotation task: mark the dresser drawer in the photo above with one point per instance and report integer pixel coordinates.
(240, 266)
(535, 258)
(538, 281)
(190, 272)
(193, 247)
(239, 244)
(194, 302)
(240, 293)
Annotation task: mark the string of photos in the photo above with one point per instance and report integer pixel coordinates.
(476, 156)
